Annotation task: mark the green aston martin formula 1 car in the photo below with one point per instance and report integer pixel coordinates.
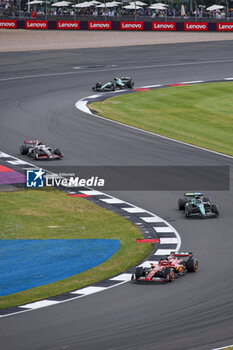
(197, 203)
(115, 84)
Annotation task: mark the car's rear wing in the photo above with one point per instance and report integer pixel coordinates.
(31, 141)
(182, 254)
(193, 194)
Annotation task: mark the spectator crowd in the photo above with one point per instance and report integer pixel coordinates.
(11, 8)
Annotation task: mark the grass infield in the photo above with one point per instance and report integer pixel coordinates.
(50, 214)
(199, 114)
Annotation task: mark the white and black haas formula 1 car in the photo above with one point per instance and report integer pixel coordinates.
(196, 203)
(166, 270)
(37, 150)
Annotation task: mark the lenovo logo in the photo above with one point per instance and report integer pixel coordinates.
(131, 25)
(36, 25)
(225, 27)
(8, 24)
(100, 25)
(196, 26)
(68, 25)
(163, 26)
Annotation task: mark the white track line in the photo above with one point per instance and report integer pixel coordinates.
(152, 219)
(192, 82)
(150, 86)
(163, 229)
(88, 290)
(225, 347)
(40, 304)
(112, 201)
(134, 210)
(123, 277)
(168, 240)
(94, 96)
(82, 105)
(92, 193)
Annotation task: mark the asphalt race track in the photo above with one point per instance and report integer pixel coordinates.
(38, 95)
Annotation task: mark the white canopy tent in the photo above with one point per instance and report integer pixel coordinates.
(132, 7)
(160, 3)
(215, 8)
(138, 3)
(84, 4)
(115, 3)
(61, 4)
(107, 4)
(157, 7)
(35, 2)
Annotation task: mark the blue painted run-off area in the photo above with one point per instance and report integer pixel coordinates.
(28, 263)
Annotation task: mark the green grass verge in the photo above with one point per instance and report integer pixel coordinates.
(51, 214)
(199, 114)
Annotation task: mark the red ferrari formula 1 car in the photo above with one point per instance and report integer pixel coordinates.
(166, 270)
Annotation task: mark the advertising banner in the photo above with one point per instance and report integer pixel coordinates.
(99, 25)
(36, 24)
(8, 24)
(131, 25)
(202, 26)
(163, 26)
(225, 27)
(68, 25)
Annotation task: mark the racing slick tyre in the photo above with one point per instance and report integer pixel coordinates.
(23, 149)
(113, 87)
(188, 211)
(97, 86)
(57, 151)
(206, 199)
(169, 274)
(35, 155)
(191, 265)
(181, 203)
(214, 209)
(130, 84)
(138, 272)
